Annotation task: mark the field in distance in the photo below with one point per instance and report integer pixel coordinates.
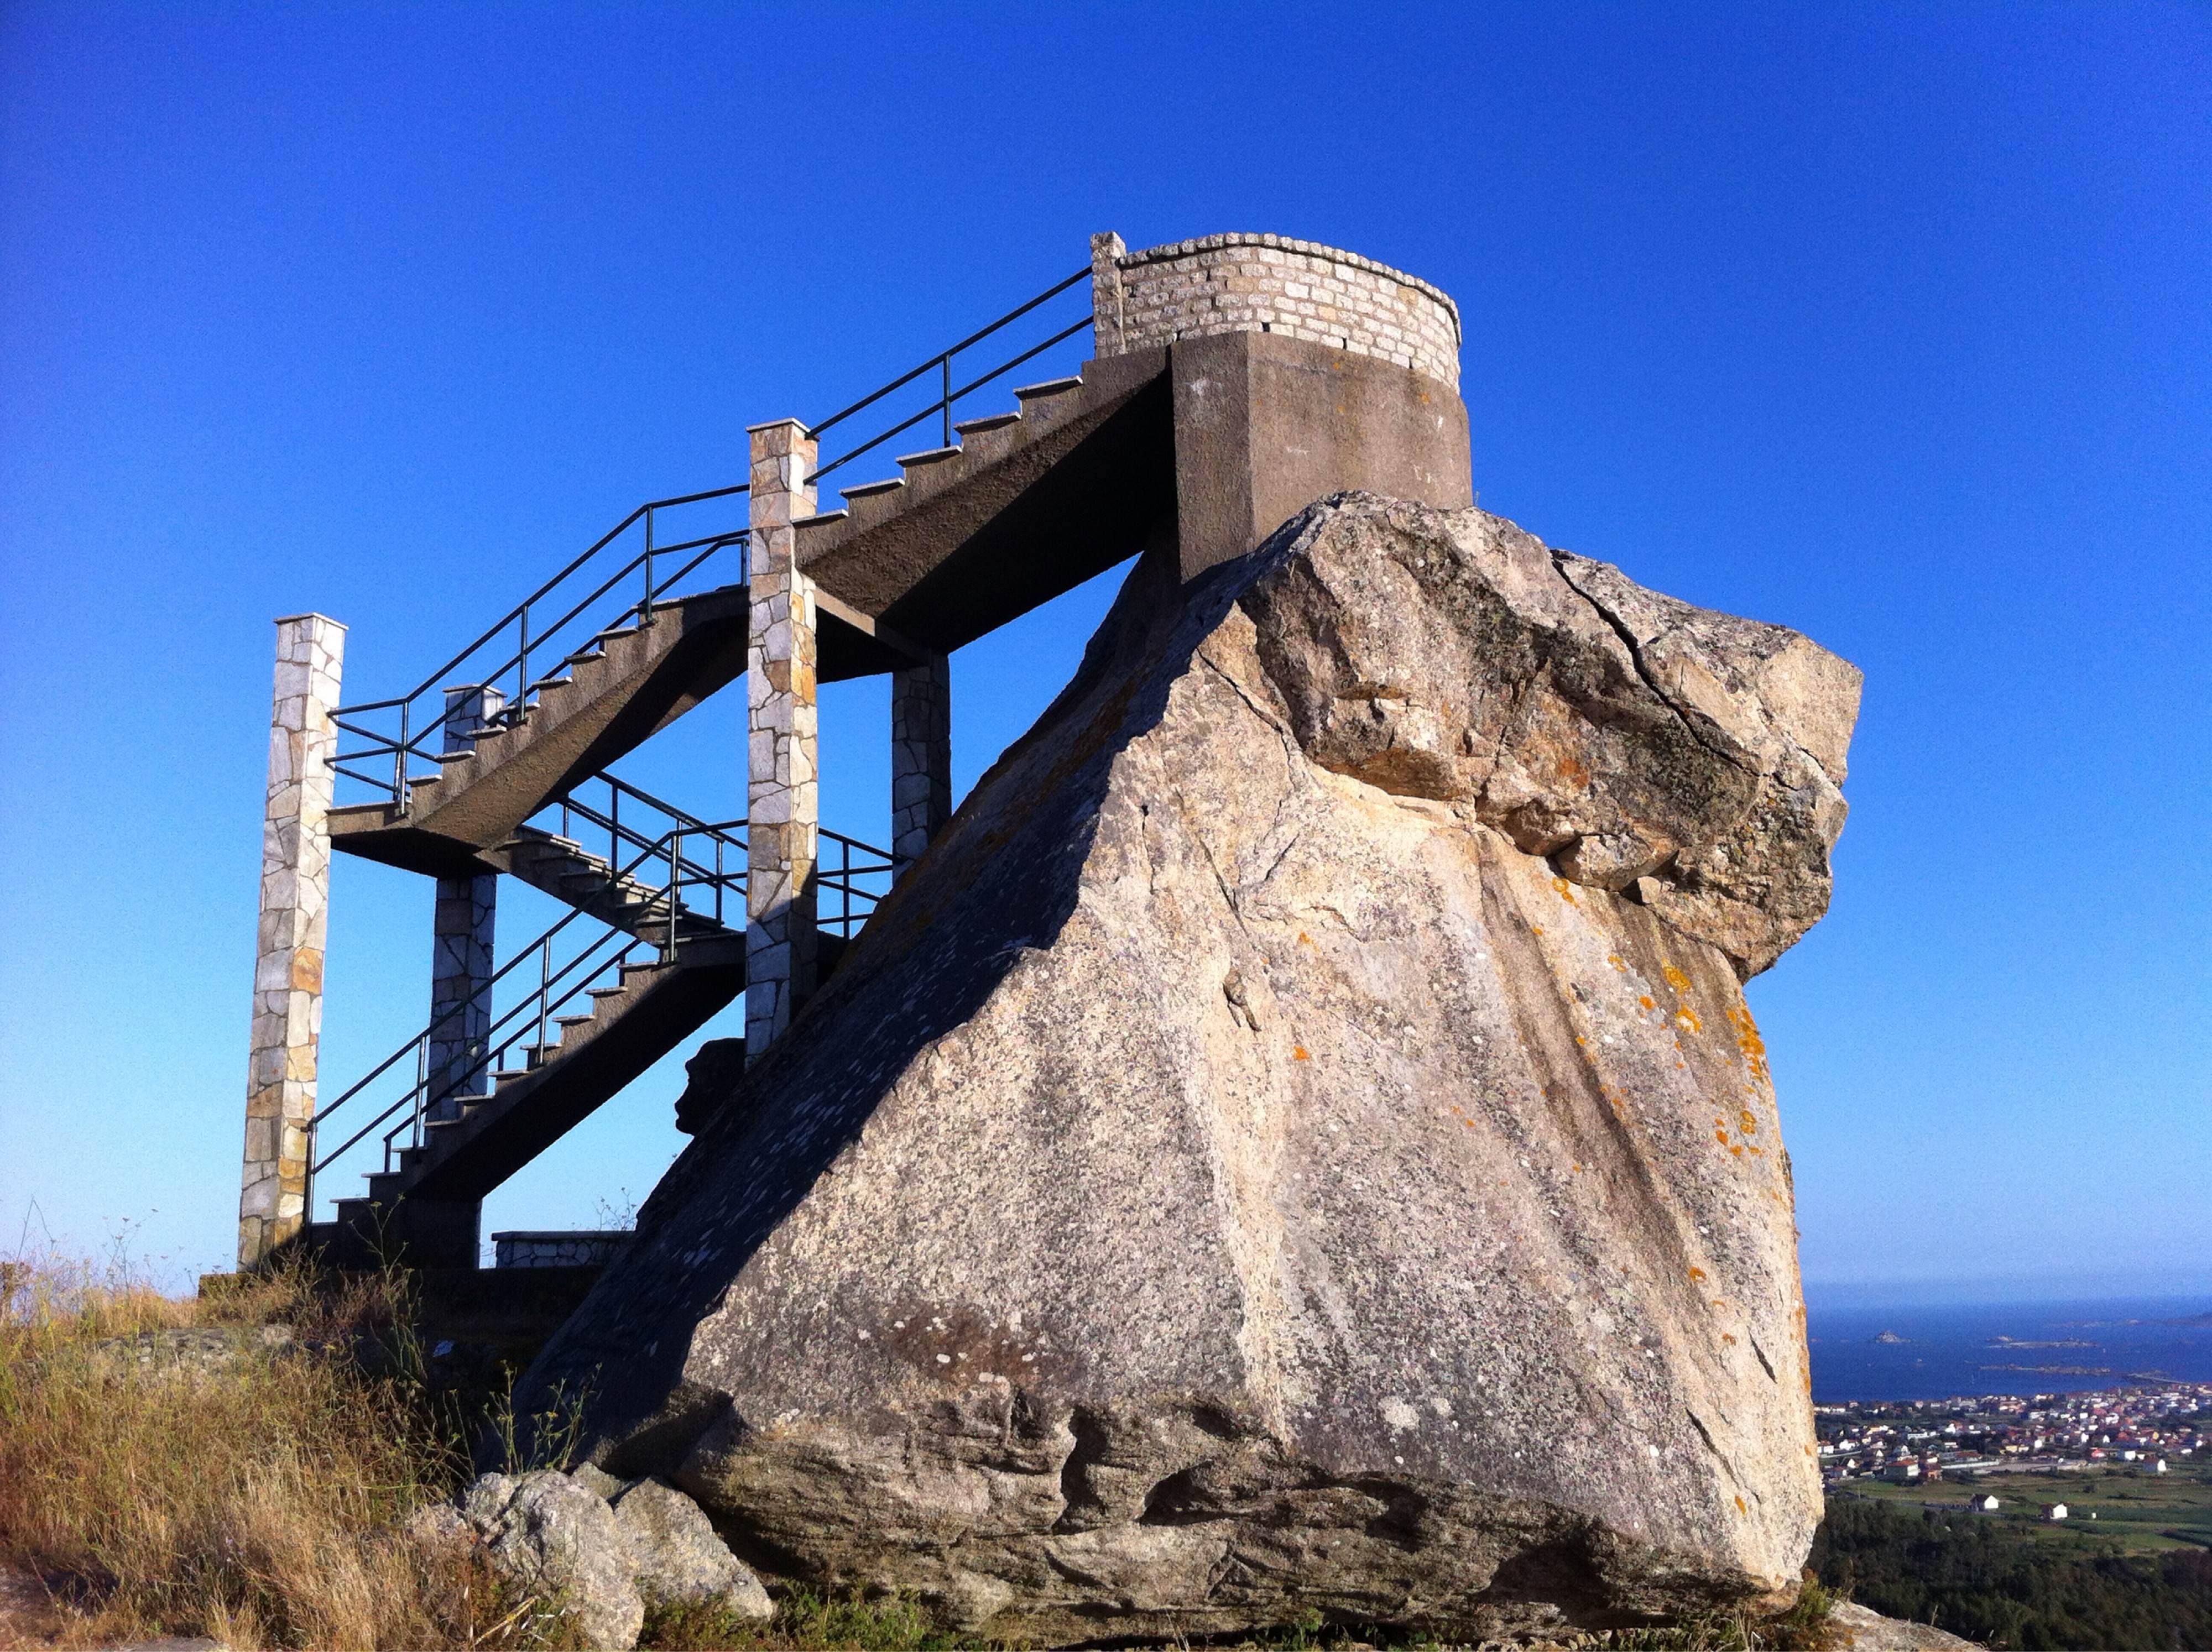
(2136, 1512)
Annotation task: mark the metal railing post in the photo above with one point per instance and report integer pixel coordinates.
(544, 991)
(675, 884)
(645, 608)
(947, 442)
(399, 762)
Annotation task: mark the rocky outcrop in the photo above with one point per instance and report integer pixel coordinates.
(605, 1550)
(1855, 1628)
(678, 1556)
(1296, 1142)
(553, 1537)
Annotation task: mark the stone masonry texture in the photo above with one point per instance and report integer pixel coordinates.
(783, 811)
(922, 757)
(288, 968)
(461, 959)
(1271, 284)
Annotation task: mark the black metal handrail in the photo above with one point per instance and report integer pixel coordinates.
(942, 362)
(851, 879)
(606, 817)
(419, 730)
(855, 860)
(558, 985)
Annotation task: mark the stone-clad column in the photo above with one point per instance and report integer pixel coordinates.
(922, 757)
(783, 807)
(461, 946)
(1107, 320)
(287, 970)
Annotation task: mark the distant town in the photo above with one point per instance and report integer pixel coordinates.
(2149, 1428)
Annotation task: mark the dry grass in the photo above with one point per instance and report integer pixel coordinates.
(258, 1500)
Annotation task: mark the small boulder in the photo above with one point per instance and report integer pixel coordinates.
(440, 1525)
(551, 1534)
(599, 1482)
(679, 1557)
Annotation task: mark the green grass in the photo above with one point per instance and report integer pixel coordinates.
(2138, 1512)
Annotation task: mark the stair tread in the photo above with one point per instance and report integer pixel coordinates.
(869, 489)
(927, 456)
(1049, 388)
(993, 422)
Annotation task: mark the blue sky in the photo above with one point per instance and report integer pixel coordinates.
(1890, 324)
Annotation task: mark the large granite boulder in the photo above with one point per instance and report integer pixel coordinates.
(1296, 1141)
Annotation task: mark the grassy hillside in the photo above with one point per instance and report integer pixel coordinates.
(2014, 1582)
(2135, 1512)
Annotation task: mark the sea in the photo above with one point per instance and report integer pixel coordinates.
(1867, 1350)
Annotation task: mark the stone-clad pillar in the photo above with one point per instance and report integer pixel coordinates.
(922, 757)
(783, 807)
(461, 946)
(1108, 319)
(288, 968)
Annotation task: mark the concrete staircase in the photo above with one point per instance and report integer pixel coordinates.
(564, 869)
(601, 702)
(425, 1207)
(1029, 503)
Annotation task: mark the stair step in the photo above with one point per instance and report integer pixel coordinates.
(617, 635)
(1049, 388)
(511, 1076)
(870, 489)
(574, 1020)
(549, 683)
(994, 421)
(932, 456)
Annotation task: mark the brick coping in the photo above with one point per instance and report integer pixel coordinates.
(1173, 250)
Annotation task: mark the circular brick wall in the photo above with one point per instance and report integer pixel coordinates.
(1270, 283)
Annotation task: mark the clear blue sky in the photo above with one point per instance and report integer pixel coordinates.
(1890, 324)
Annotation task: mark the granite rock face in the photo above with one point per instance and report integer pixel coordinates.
(1296, 1141)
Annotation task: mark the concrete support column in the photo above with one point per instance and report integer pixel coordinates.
(288, 968)
(461, 947)
(922, 757)
(783, 806)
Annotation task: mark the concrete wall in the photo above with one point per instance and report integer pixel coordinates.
(1265, 425)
